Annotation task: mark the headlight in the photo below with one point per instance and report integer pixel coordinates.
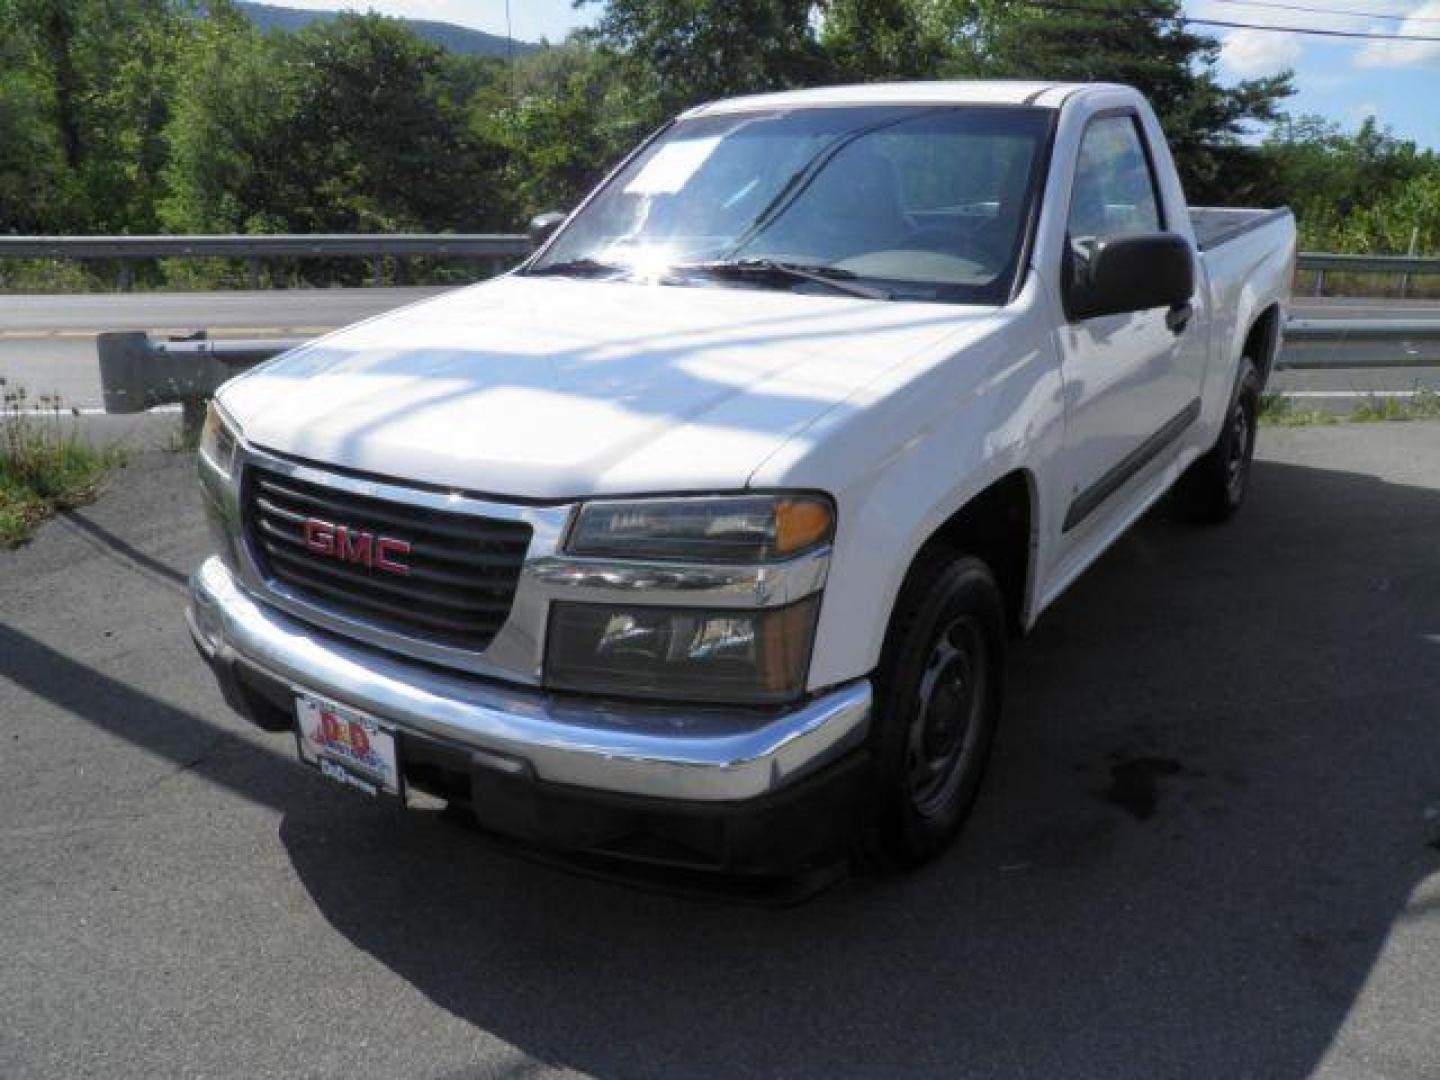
(711, 529)
(218, 440)
(218, 447)
(746, 656)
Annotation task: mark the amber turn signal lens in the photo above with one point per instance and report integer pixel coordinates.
(801, 524)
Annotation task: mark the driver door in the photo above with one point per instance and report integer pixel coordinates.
(1131, 379)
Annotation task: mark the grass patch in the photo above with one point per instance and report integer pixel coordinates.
(44, 464)
(1424, 405)
(1276, 410)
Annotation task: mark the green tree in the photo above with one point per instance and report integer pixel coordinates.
(97, 73)
(866, 40)
(570, 116)
(32, 167)
(1363, 192)
(1145, 45)
(228, 169)
(675, 53)
(1322, 167)
(376, 128)
(354, 125)
(686, 51)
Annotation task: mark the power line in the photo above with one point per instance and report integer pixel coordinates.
(1398, 16)
(1048, 5)
(1312, 31)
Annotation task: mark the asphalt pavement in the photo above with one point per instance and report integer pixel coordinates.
(1209, 844)
(259, 313)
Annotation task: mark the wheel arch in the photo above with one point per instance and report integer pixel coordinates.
(1262, 341)
(998, 526)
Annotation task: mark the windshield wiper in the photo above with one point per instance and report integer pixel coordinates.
(586, 267)
(833, 276)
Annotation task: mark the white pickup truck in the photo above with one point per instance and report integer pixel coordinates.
(697, 540)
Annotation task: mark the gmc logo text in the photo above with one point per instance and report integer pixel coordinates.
(356, 546)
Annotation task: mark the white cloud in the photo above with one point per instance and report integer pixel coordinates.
(1390, 54)
(1249, 53)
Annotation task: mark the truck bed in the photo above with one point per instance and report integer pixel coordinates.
(1216, 225)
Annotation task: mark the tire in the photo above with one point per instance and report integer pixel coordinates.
(1213, 489)
(939, 689)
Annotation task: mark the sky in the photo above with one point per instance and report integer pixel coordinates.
(1342, 79)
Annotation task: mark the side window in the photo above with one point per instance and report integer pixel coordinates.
(1114, 192)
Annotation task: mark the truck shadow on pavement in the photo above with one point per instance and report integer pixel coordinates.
(1205, 816)
(1206, 812)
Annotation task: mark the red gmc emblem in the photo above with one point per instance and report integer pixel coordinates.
(356, 546)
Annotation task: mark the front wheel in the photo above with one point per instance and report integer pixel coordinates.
(1213, 488)
(939, 689)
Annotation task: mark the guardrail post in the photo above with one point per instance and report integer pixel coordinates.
(1319, 282)
(1405, 277)
(127, 275)
(192, 419)
(377, 270)
(252, 271)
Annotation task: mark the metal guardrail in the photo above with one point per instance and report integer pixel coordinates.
(1405, 265)
(1368, 264)
(1359, 343)
(1360, 329)
(497, 248)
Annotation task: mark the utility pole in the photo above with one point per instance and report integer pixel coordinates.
(510, 48)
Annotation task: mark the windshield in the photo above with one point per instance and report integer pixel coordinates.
(923, 203)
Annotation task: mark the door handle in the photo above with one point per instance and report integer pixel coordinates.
(1178, 317)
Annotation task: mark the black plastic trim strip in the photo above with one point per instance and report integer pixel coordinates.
(1089, 500)
(1040, 176)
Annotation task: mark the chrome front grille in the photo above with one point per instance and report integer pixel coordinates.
(459, 575)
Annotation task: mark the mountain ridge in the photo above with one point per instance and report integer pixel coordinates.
(457, 39)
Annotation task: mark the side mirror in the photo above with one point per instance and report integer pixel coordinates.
(1129, 273)
(542, 225)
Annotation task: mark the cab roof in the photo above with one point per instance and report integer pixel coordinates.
(1049, 95)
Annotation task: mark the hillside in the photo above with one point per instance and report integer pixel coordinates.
(457, 39)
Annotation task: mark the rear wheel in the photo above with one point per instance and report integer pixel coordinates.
(938, 701)
(1213, 489)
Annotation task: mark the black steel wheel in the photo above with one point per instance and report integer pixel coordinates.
(1213, 489)
(938, 696)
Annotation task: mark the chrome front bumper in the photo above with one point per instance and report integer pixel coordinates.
(695, 753)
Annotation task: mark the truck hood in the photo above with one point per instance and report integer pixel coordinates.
(550, 388)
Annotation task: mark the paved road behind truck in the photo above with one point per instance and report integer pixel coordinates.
(1210, 844)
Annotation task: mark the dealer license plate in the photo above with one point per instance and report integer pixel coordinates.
(347, 746)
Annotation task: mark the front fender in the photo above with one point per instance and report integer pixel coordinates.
(910, 451)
